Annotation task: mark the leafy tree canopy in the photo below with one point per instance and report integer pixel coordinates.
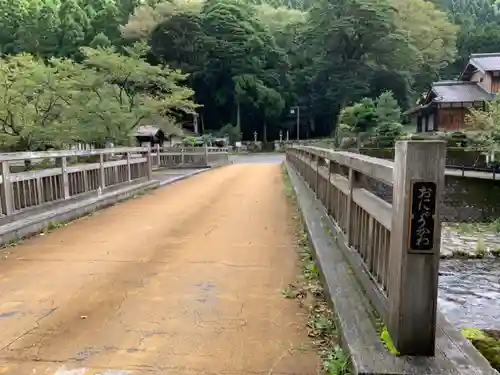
(244, 62)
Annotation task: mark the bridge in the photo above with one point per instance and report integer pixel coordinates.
(186, 279)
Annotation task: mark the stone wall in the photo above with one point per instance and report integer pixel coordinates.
(471, 199)
(454, 156)
(465, 199)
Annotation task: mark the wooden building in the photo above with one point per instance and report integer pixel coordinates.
(148, 134)
(447, 103)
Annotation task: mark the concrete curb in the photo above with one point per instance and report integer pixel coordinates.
(355, 316)
(31, 225)
(191, 174)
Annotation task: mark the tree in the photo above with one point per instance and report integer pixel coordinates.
(73, 28)
(37, 29)
(241, 60)
(485, 125)
(178, 41)
(100, 40)
(104, 99)
(320, 56)
(478, 24)
(36, 101)
(350, 42)
(359, 118)
(432, 35)
(248, 60)
(387, 109)
(105, 18)
(148, 16)
(140, 90)
(388, 114)
(230, 131)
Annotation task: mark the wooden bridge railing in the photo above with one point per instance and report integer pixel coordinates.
(70, 173)
(189, 156)
(392, 249)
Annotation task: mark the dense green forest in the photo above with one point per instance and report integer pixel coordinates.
(74, 70)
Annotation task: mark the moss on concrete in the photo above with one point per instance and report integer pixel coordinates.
(487, 342)
(386, 339)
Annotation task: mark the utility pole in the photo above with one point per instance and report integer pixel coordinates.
(195, 123)
(296, 111)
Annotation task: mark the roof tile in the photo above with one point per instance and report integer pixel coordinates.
(459, 91)
(486, 61)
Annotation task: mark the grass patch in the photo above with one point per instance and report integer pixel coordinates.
(337, 361)
(473, 228)
(308, 291)
(487, 342)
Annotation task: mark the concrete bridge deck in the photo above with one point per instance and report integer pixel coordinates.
(184, 280)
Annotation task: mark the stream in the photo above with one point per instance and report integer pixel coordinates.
(469, 292)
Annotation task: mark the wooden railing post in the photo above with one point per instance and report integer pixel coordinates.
(419, 169)
(129, 170)
(158, 159)
(65, 177)
(102, 174)
(85, 183)
(7, 188)
(351, 206)
(328, 187)
(316, 183)
(149, 163)
(310, 169)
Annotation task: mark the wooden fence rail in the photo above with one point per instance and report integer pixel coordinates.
(72, 173)
(392, 249)
(189, 157)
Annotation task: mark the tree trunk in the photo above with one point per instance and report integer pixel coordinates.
(238, 114)
(264, 135)
(312, 124)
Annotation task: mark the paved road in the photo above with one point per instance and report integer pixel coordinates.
(182, 281)
(472, 174)
(167, 175)
(271, 158)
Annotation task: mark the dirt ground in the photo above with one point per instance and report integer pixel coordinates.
(185, 280)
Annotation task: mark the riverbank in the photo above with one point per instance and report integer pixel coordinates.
(471, 241)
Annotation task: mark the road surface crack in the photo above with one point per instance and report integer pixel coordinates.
(37, 325)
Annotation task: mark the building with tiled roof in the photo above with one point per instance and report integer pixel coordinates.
(447, 103)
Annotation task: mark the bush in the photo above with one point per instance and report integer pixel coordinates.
(348, 142)
(453, 139)
(254, 147)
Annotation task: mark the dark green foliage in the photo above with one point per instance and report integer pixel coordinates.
(250, 61)
(179, 41)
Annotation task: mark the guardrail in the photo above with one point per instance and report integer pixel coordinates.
(392, 249)
(74, 173)
(490, 172)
